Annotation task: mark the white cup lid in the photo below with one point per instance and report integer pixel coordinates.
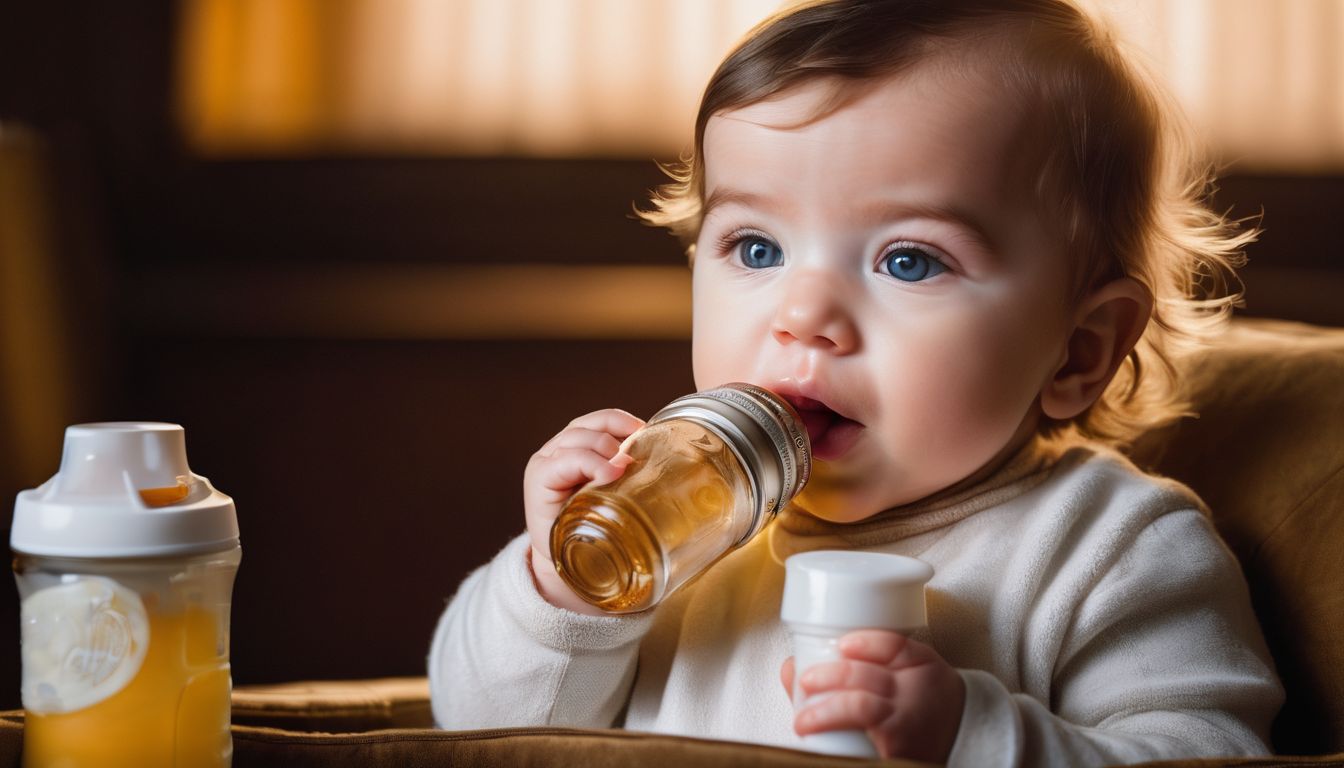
(855, 590)
(123, 490)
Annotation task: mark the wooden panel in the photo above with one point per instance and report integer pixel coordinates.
(399, 301)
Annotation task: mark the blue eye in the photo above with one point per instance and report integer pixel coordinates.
(911, 265)
(757, 253)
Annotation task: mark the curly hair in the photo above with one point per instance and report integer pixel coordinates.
(1118, 175)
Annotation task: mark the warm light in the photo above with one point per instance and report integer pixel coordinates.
(42, 375)
(252, 72)
(529, 77)
(1264, 79)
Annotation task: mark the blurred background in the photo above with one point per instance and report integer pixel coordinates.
(373, 253)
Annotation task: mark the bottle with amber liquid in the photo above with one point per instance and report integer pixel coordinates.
(709, 471)
(125, 562)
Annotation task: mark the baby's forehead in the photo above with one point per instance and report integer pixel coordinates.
(959, 114)
(797, 106)
(937, 79)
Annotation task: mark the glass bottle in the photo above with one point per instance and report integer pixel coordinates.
(709, 471)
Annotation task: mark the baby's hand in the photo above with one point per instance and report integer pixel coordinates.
(585, 450)
(900, 691)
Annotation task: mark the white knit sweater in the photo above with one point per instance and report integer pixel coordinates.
(1094, 614)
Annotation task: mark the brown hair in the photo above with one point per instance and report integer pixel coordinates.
(1117, 176)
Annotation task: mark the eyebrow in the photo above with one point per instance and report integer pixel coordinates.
(725, 196)
(949, 214)
(880, 211)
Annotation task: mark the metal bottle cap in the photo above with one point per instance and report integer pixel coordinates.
(765, 434)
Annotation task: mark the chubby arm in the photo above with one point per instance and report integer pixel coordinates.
(516, 646)
(503, 656)
(1161, 659)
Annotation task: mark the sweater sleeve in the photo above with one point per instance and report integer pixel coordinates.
(503, 656)
(1162, 659)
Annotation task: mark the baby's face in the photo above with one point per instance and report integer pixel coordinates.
(884, 268)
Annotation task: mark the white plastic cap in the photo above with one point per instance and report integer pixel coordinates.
(94, 506)
(854, 590)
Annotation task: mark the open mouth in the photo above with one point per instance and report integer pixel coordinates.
(832, 435)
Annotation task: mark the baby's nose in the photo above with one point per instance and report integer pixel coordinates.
(816, 311)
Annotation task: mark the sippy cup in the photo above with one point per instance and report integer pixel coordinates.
(829, 593)
(125, 563)
(709, 471)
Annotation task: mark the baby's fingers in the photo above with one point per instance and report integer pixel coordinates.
(889, 649)
(603, 443)
(613, 420)
(550, 480)
(610, 421)
(845, 711)
(786, 675)
(568, 468)
(847, 674)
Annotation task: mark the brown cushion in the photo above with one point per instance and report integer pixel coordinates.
(342, 706)
(273, 748)
(585, 748)
(255, 747)
(1266, 453)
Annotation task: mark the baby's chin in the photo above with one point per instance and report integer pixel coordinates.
(836, 502)
(843, 499)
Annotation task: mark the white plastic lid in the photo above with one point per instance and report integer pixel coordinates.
(123, 490)
(855, 590)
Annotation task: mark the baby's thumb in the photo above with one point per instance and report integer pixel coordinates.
(614, 468)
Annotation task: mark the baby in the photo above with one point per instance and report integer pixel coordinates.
(963, 239)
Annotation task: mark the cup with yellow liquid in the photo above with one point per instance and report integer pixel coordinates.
(125, 562)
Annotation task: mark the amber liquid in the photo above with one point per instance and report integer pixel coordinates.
(174, 712)
(683, 503)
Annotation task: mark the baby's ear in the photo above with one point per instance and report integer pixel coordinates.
(1110, 321)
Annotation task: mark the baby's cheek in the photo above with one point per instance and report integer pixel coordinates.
(719, 344)
(961, 409)
(728, 349)
(950, 443)
(711, 362)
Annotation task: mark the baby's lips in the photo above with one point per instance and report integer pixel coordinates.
(816, 422)
(801, 403)
(816, 416)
